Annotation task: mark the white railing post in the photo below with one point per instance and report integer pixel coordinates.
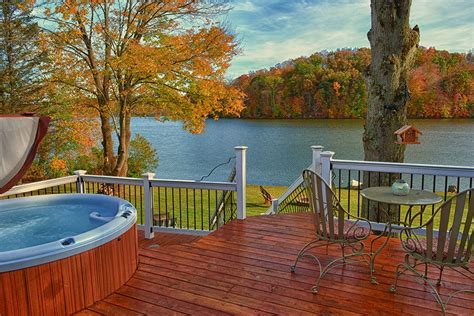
(79, 182)
(241, 180)
(317, 158)
(326, 172)
(148, 202)
(274, 206)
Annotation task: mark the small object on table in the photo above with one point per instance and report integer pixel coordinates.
(400, 187)
(414, 197)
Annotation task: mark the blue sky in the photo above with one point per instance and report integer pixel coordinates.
(272, 31)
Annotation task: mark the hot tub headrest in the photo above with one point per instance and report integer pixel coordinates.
(96, 216)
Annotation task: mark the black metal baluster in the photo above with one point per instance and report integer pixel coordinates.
(187, 208)
(368, 201)
(180, 216)
(378, 204)
(217, 212)
(159, 206)
(349, 194)
(225, 207)
(194, 208)
(422, 187)
(209, 209)
(339, 189)
(166, 206)
(434, 191)
(172, 205)
(358, 193)
(202, 214)
(445, 187)
(142, 189)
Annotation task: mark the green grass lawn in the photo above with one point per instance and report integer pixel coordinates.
(255, 202)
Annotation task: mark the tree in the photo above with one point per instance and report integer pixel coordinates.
(165, 58)
(143, 157)
(393, 47)
(20, 59)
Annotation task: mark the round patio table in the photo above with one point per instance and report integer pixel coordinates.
(415, 197)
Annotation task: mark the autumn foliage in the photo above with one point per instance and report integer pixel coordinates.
(332, 85)
(125, 58)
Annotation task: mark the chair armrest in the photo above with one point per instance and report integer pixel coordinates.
(409, 239)
(358, 219)
(352, 216)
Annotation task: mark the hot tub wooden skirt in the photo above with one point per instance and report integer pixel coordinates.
(71, 284)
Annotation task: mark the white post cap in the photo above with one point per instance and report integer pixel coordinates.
(240, 147)
(327, 154)
(148, 175)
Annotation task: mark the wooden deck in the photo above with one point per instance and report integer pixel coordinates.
(244, 268)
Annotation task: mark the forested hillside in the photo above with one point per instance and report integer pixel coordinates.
(331, 85)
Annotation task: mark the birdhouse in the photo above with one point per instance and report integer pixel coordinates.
(408, 134)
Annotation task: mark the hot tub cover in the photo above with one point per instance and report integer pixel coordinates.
(20, 136)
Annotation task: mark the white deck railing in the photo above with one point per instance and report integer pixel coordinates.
(326, 165)
(149, 187)
(23, 189)
(409, 168)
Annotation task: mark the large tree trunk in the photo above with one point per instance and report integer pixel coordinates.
(107, 144)
(121, 166)
(393, 46)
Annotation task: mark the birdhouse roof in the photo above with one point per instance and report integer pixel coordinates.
(406, 128)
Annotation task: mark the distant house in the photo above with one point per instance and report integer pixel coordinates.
(408, 134)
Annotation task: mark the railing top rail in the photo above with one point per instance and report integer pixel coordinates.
(191, 184)
(412, 168)
(34, 186)
(112, 179)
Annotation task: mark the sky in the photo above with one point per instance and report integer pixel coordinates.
(272, 31)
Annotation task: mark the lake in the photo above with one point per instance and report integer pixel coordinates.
(280, 149)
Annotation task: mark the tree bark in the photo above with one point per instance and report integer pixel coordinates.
(393, 46)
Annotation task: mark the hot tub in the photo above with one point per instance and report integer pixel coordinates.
(61, 253)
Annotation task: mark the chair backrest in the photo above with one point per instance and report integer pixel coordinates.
(328, 215)
(452, 241)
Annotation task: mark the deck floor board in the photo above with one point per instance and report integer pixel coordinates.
(243, 268)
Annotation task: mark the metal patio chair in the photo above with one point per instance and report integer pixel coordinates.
(332, 226)
(450, 246)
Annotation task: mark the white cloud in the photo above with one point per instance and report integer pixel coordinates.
(244, 6)
(277, 30)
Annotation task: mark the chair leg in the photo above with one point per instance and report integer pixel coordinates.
(421, 280)
(398, 273)
(302, 252)
(343, 255)
(440, 275)
(331, 265)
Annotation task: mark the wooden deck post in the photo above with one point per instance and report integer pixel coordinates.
(241, 180)
(79, 182)
(148, 203)
(317, 158)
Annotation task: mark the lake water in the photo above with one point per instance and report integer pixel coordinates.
(280, 149)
